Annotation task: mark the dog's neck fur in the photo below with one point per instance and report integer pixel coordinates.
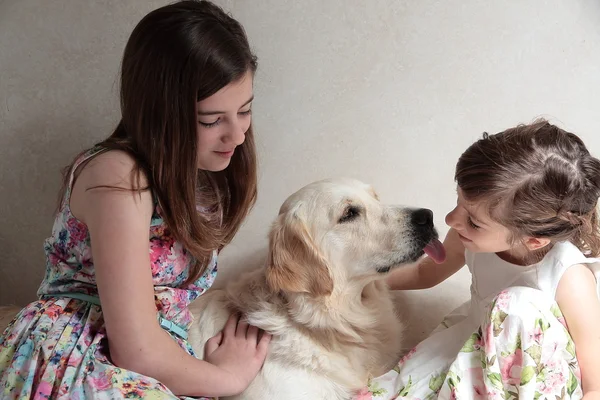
(348, 297)
(319, 317)
(347, 321)
(342, 313)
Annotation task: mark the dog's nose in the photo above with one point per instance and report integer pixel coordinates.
(422, 217)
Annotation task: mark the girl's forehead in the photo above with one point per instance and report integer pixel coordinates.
(234, 95)
(467, 203)
(477, 209)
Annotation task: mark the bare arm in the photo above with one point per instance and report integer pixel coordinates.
(576, 296)
(119, 222)
(427, 273)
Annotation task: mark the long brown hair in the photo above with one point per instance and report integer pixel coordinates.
(538, 180)
(177, 55)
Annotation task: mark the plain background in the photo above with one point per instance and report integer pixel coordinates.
(387, 91)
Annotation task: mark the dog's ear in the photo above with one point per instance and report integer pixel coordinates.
(295, 264)
(373, 192)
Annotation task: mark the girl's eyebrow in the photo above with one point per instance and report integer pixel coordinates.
(223, 112)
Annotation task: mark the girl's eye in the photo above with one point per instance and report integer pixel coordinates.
(210, 124)
(218, 121)
(471, 224)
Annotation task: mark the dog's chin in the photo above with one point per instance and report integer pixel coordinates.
(401, 261)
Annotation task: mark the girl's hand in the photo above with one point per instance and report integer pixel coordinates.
(238, 351)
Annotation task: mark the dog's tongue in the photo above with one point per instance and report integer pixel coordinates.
(435, 249)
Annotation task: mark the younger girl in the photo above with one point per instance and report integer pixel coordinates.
(524, 223)
(142, 217)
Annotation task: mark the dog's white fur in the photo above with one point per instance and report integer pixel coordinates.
(321, 294)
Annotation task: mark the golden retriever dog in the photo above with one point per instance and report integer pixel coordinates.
(322, 294)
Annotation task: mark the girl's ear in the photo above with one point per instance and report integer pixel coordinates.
(536, 243)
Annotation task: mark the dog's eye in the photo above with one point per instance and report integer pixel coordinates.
(350, 214)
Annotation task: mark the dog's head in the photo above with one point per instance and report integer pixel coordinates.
(337, 231)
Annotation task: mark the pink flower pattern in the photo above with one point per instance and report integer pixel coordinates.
(501, 362)
(511, 367)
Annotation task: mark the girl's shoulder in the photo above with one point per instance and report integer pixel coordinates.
(566, 254)
(114, 168)
(105, 173)
(562, 258)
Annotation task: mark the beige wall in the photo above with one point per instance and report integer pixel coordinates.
(386, 91)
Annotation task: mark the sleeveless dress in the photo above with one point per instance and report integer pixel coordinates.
(509, 341)
(56, 347)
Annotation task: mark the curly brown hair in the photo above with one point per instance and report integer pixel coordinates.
(537, 180)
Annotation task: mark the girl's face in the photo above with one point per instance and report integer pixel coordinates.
(223, 120)
(477, 231)
(481, 234)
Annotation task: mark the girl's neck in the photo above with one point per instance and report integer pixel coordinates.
(521, 255)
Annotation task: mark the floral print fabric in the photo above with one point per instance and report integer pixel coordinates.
(523, 350)
(56, 347)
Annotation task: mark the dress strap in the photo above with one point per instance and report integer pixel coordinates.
(83, 157)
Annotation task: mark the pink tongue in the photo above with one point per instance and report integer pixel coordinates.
(435, 250)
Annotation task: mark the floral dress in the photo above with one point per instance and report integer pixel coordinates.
(57, 348)
(510, 341)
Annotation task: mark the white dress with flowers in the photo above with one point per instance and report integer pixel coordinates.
(509, 341)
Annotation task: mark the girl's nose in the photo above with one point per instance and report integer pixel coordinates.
(452, 220)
